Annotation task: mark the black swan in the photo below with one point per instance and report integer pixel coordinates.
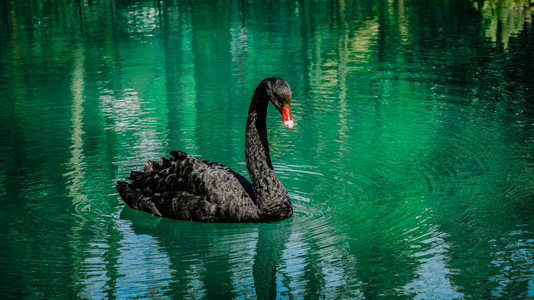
(190, 188)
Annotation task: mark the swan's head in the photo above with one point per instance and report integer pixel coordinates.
(279, 94)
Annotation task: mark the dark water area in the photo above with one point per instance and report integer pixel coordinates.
(410, 166)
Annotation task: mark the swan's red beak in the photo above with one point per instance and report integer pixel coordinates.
(286, 116)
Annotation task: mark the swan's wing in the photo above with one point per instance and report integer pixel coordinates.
(191, 188)
(202, 177)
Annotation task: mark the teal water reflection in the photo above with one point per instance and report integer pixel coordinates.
(410, 166)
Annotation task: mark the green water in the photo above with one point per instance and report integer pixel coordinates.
(410, 166)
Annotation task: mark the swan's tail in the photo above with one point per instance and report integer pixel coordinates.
(142, 190)
(135, 198)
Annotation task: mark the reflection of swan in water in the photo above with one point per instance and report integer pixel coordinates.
(272, 241)
(210, 261)
(189, 188)
(300, 257)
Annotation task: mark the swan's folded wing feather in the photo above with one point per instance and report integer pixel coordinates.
(202, 177)
(190, 188)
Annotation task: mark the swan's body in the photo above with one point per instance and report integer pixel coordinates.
(190, 188)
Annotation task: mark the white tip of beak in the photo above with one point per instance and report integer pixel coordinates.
(289, 124)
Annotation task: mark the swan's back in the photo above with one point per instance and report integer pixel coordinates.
(189, 188)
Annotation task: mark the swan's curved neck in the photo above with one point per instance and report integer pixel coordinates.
(268, 189)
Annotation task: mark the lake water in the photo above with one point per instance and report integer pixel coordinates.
(410, 166)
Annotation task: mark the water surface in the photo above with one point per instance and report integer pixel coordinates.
(410, 166)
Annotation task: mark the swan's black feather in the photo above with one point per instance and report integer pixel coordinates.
(190, 188)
